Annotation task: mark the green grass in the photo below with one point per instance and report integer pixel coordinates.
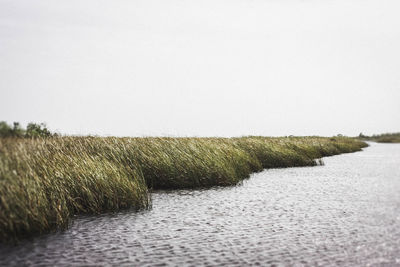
(382, 138)
(44, 182)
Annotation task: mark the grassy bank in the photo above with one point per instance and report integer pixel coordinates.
(45, 181)
(382, 138)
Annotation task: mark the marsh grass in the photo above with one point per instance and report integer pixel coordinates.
(45, 181)
(382, 138)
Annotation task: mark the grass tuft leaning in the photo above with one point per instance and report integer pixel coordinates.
(45, 181)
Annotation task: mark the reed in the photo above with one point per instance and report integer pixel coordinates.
(45, 181)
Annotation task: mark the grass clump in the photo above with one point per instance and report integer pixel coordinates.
(45, 181)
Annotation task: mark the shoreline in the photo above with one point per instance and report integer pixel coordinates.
(44, 182)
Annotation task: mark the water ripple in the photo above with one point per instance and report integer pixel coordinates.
(343, 213)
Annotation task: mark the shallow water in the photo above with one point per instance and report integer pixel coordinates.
(344, 213)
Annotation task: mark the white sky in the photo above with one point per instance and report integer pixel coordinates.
(203, 67)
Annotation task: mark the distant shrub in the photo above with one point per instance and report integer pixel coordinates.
(5, 129)
(37, 130)
(32, 130)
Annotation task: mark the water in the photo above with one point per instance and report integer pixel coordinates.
(344, 213)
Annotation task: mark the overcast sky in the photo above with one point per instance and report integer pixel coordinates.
(202, 67)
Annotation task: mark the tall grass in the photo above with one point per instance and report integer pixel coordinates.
(44, 182)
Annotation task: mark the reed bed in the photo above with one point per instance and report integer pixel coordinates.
(44, 182)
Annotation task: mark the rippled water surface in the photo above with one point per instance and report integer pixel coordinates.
(344, 213)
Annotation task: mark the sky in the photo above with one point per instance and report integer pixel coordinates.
(201, 68)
